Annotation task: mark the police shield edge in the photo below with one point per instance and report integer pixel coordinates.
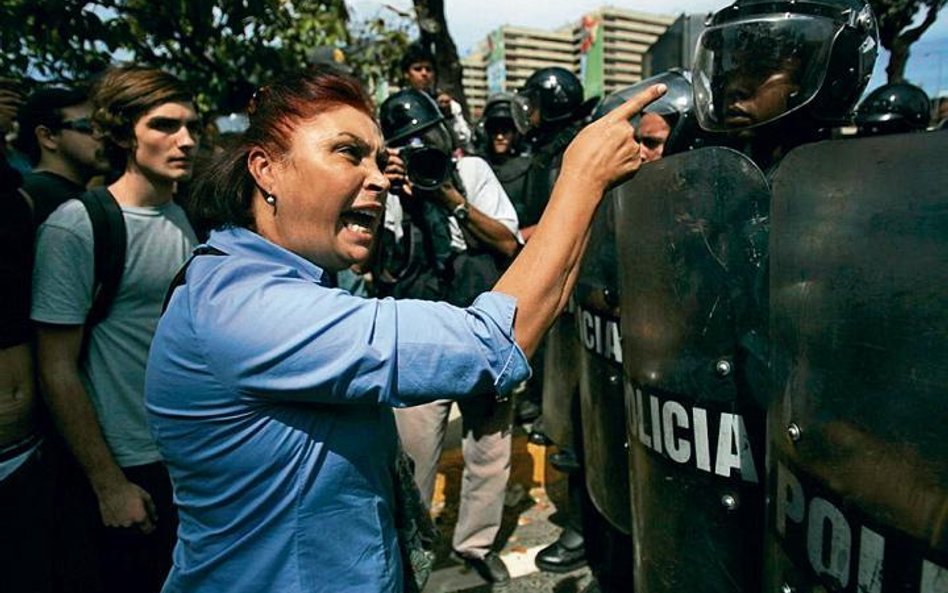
(560, 377)
(691, 239)
(602, 404)
(857, 458)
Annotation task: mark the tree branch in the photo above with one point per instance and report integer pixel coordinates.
(912, 35)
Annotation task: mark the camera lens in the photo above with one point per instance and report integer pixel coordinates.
(428, 167)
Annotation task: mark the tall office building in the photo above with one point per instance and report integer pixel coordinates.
(474, 81)
(676, 47)
(610, 44)
(604, 48)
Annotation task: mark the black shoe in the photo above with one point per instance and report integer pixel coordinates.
(565, 461)
(564, 555)
(538, 438)
(491, 568)
(526, 411)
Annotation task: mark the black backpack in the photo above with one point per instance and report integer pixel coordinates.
(109, 238)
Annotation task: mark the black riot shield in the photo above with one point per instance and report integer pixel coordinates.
(857, 454)
(560, 377)
(691, 237)
(602, 404)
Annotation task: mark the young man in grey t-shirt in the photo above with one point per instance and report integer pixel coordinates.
(149, 124)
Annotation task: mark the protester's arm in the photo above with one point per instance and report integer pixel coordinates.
(121, 503)
(543, 275)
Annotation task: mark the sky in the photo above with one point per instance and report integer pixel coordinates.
(469, 22)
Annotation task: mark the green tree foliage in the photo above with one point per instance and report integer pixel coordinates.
(217, 46)
(896, 32)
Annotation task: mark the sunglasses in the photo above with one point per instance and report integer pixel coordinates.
(82, 125)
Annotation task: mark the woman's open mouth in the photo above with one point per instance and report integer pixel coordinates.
(360, 221)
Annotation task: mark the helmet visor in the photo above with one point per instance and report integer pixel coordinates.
(675, 101)
(751, 72)
(524, 111)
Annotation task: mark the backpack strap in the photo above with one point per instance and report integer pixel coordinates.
(180, 279)
(109, 238)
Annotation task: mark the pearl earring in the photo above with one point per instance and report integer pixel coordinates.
(270, 199)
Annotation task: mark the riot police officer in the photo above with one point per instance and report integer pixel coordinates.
(664, 128)
(855, 477)
(458, 224)
(549, 111)
(501, 144)
(774, 75)
(894, 108)
(552, 110)
(768, 76)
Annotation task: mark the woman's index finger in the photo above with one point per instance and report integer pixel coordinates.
(639, 102)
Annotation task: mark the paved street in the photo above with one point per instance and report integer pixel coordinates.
(530, 522)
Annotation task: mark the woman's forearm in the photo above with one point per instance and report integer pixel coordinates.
(542, 277)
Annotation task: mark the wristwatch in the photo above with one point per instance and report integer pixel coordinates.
(461, 212)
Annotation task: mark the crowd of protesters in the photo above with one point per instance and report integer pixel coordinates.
(93, 234)
(237, 426)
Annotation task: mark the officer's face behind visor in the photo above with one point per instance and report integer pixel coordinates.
(751, 72)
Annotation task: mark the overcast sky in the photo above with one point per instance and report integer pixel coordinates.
(469, 22)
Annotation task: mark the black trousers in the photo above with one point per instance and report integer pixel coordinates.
(93, 558)
(25, 520)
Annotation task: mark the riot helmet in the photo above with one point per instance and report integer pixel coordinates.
(759, 61)
(412, 122)
(894, 108)
(498, 107)
(551, 95)
(676, 107)
(499, 124)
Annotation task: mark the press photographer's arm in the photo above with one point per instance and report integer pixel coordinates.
(484, 228)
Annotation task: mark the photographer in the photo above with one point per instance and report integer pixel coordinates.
(461, 232)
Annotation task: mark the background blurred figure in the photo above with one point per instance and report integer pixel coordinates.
(502, 146)
(500, 134)
(57, 135)
(894, 108)
(453, 116)
(418, 68)
(25, 487)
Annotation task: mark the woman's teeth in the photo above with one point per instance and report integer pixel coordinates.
(359, 222)
(357, 228)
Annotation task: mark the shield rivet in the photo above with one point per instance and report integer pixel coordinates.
(729, 501)
(722, 368)
(786, 588)
(613, 379)
(794, 432)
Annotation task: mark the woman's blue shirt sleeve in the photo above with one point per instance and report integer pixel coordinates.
(267, 331)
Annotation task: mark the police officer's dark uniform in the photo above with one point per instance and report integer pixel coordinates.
(769, 76)
(550, 110)
(603, 444)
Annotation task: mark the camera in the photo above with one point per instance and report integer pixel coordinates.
(427, 167)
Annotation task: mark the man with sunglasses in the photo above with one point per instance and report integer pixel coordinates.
(92, 372)
(56, 134)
